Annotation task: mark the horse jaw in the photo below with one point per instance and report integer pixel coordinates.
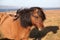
(35, 27)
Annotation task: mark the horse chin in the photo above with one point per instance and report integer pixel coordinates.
(37, 27)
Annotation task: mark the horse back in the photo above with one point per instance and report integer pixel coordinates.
(8, 27)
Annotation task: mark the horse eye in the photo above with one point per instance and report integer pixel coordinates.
(35, 16)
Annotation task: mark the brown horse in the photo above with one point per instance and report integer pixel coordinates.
(19, 26)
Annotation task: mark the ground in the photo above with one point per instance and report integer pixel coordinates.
(52, 19)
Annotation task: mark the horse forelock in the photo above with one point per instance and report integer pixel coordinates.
(40, 12)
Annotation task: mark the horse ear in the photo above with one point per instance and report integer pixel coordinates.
(19, 11)
(17, 14)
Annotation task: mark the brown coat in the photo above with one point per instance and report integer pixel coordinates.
(8, 27)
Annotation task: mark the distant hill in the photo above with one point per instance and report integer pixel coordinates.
(8, 8)
(51, 8)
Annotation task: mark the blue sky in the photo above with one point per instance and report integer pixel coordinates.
(30, 3)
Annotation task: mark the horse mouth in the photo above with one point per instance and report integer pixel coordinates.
(37, 27)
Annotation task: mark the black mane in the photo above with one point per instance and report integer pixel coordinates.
(24, 16)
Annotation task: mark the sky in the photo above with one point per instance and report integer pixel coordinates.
(31, 3)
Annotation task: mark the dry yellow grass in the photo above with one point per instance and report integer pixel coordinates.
(52, 19)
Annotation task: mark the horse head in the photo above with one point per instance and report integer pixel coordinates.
(33, 16)
(37, 17)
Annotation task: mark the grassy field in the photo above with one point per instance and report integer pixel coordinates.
(52, 19)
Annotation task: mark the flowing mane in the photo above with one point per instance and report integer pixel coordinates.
(24, 16)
